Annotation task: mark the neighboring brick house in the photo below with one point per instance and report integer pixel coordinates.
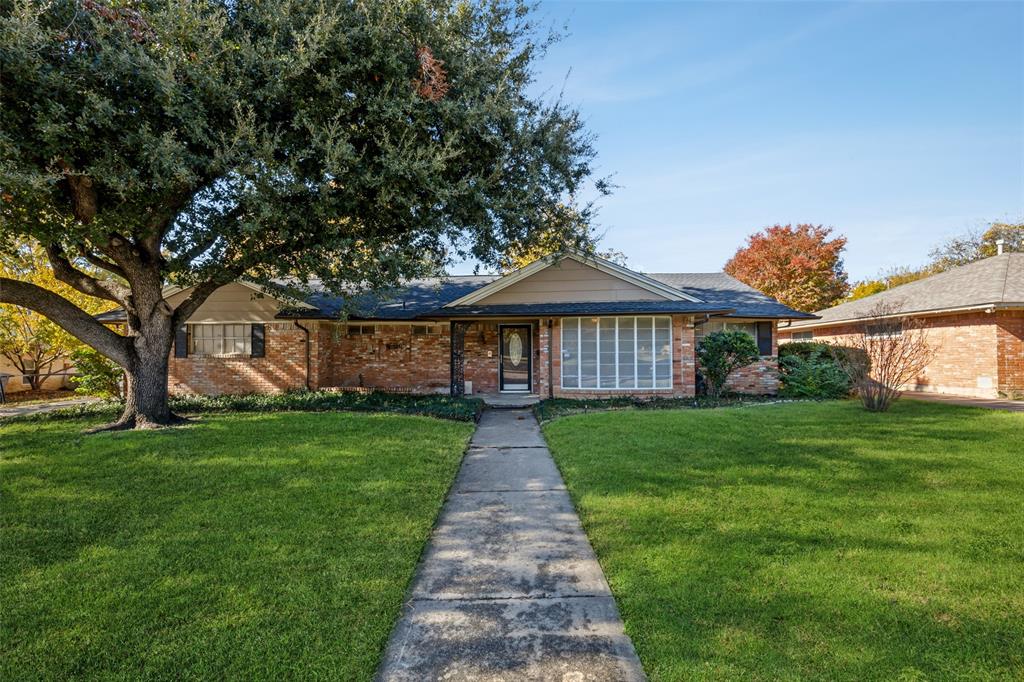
(569, 326)
(974, 318)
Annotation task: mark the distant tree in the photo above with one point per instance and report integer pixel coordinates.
(885, 352)
(35, 345)
(196, 143)
(893, 278)
(722, 353)
(799, 265)
(975, 245)
(967, 248)
(564, 228)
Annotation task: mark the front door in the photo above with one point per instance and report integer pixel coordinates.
(516, 356)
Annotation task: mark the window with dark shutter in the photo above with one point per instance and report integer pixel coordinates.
(181, 342)
(258, 340)
(764, 338)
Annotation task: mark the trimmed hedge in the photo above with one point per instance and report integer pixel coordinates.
(809, 369)
(552, 408)
(439, 406)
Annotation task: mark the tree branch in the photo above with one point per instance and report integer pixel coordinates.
(199, 294)
(72, 276)
(67, 316)
(100, 262)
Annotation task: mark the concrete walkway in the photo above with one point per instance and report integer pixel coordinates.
(509, 588)
(967, 401)
(16, 410)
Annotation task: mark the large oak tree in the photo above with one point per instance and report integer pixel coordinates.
(195, 143)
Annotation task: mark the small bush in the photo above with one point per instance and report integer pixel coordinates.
(811, 371)
(96, 375)
(720, 354)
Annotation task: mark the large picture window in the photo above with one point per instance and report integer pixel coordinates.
(220, 339)
(617, 353)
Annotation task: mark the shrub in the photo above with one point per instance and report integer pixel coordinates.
(811, 370)
(439, 406)
(722, 353)
(96, 375)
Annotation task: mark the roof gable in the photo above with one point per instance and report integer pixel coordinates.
(571, 278)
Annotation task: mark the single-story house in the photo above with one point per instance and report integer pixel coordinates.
(572, 325)
(974, 320)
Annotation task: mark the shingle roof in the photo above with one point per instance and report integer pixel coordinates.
(717, 292)
(718, 288)
(417, 298)
(995, 281)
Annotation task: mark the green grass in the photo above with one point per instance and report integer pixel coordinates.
(238, 547)
(808, 540)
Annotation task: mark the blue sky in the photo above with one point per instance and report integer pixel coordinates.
(898, 123)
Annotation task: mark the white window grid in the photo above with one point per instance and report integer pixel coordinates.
(220, 340)
(636, 355)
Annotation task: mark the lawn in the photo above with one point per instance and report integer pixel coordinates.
(241, 546)
(810, 541)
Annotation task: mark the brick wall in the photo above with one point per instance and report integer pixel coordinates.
(1010, 351)
(393, 357)
(967, 352)
(282, 369)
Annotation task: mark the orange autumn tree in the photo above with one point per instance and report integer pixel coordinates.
(799, 265)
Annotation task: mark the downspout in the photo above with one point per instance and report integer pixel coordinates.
(551, 352)
(306, 331)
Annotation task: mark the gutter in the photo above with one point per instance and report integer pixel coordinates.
(306, 331)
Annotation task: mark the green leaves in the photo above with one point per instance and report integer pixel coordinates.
(719, 354)
(284, 129)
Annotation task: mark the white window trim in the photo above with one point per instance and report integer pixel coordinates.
(191, 344)
(636, 355)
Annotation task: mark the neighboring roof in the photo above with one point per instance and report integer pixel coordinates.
(995, 282)
(720, 289)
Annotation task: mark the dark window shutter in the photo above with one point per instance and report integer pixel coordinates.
(258, 340)
(181, 342)
(764, 338)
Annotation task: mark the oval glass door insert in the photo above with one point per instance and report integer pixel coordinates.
(515, 349)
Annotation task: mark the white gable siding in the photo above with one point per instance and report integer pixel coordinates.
(231, 303)
(570, 281)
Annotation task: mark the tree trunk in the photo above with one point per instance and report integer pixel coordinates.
(146, 404)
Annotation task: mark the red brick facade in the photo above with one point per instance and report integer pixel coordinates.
(283, 368)
(394, 357)
(977, 354)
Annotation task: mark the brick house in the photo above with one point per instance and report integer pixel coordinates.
(974, 317)
(569, 326)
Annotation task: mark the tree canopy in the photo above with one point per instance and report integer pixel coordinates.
(975, 245)
(358, 143)
(565, 229)
(798, 265)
